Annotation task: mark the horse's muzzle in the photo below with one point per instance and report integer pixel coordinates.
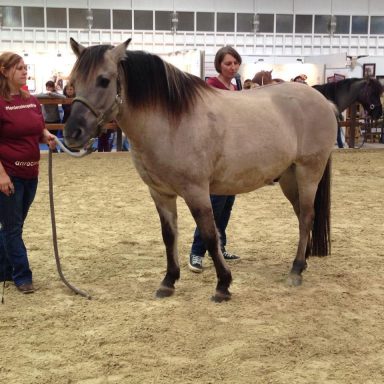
(75, 134)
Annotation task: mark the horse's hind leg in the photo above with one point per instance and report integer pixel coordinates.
(298, 189)
(201, 209)
(167, 209)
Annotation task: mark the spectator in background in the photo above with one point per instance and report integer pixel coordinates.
(300, 79)
(105, 141)
(51, 112)
(69, 92)
(247, 84)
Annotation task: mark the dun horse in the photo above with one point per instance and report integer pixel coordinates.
(191, 140)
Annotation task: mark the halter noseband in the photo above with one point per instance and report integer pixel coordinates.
(102, 116)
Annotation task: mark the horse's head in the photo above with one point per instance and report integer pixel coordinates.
(369, 97)
(95, 77)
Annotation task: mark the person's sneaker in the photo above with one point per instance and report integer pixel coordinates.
(230, 256)
(195, 263)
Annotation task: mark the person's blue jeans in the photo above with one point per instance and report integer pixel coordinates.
(13, 212)
(222, 207)
(339, 139)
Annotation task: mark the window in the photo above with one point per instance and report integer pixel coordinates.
(77, 18)
(163, 20)
(225, 22)
(377, 25)
(56, 18)
(322, 24)
(143, 20)
(245, 22)
(12, 17)
(284, 23)
(343, 24)
(303, 24)
(33, 17)
(185, 21)
(101, 19)
(122, 19)
(359, 25)
(266, 22)
(205, 21)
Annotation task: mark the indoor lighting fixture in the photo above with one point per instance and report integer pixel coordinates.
(332, 22)
(256, 23)
(256, 19)
(174, 21)
(89, 18)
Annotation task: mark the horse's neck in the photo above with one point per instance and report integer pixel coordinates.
(347, 96)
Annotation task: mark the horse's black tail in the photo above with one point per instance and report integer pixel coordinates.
(321, 230)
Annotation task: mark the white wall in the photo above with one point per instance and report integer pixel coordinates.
(351, 7)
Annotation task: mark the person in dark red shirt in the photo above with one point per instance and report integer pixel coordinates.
(22, 128)
(227, 63)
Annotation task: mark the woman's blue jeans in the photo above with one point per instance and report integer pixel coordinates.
(222, 207)
(13, 212)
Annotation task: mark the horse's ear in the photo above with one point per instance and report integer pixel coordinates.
(76, 47)
(118, 52)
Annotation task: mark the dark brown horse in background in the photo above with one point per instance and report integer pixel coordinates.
(191, 140)
(265, 78)
(344, 93)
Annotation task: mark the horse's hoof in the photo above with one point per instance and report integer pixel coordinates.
(294, 280)
(164, 292)
(219, 297)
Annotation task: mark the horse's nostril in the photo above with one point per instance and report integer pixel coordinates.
(77, 133)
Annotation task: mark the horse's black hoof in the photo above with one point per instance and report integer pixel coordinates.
(164, 292)
(219, 297)
(294, 280)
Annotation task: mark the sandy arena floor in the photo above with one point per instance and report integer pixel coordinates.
(329, 330)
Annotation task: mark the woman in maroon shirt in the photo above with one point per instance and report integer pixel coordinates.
(227, 63)
(21, 131)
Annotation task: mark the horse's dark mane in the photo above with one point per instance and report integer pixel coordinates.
(329, 90)
(152, 81)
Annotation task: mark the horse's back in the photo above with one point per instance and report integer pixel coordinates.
(278, 114)
(261, 132)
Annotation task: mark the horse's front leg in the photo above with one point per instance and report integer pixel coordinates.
(167, 209)
(201, 210)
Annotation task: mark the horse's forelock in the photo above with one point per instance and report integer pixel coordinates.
(87, 64)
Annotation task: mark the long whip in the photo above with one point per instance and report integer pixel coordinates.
(53, 220)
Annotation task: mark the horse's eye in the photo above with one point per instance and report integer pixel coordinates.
(102, 82)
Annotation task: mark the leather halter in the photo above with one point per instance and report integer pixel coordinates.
(101, 116)
(365, 98)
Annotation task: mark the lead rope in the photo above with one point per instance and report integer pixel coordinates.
(53, 220)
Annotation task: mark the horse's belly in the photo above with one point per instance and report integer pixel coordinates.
(242, 182)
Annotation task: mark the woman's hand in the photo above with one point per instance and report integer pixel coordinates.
(49, 139)
(6, 185)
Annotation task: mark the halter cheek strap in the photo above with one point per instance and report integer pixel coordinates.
(100, 116)
(365, 99)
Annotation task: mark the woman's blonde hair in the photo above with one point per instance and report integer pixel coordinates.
(9, 60)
